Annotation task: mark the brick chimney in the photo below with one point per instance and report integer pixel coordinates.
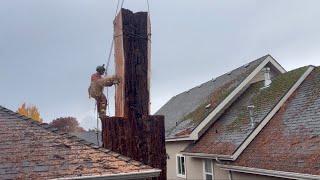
(134, 132)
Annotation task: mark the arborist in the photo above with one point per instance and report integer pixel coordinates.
(98, 82)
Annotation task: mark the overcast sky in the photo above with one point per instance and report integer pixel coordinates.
(49, 48)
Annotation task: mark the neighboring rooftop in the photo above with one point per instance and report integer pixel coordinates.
(291, 140)
(90, 136)
(232, 128)
(185, 111)
(29, 150)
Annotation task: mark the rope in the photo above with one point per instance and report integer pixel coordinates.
(110, 52)
(117, 8)
(148, 7)
(97, 130)
(122, 4)
(109, 56)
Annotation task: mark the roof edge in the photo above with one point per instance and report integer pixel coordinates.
(257, 130)
(208, 156)
(266, 172)
(212, 117)
(134, 175)
(279, 66)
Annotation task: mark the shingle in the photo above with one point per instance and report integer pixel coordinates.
(90, 136)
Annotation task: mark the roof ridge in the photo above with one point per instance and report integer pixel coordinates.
(73, 138)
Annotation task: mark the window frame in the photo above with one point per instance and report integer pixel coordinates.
(204, 169)
(177, 166)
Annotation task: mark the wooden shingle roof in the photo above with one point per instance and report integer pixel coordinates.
(30, 150)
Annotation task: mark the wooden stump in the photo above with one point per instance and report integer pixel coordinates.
(134, 133)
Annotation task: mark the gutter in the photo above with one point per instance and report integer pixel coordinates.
(180, 139)
(265, 172)
(209, 156)
(133, 175)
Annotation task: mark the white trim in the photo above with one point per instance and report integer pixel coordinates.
(265, 172)
(133, 175)
(271, 114)
(177, 168)
(212, 117)
(204, 173)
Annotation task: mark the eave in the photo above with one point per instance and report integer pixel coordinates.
(133, 175)
(266, 172)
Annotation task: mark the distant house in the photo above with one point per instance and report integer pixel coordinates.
(90, 136)
(29, 150)
(255, 122)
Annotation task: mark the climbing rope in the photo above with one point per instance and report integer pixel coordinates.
(148, 7)
(97, 130)
(106, 73)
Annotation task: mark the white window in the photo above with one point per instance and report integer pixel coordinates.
(181, 168)
(207, 169)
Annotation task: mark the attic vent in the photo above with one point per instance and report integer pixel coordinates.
(208, 106)
(246, 65)
(250, 109)
(229, 73)
(267, 79)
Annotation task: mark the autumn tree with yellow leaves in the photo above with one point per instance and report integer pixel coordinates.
(30, 111)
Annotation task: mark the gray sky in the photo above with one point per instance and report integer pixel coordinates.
(48, 49)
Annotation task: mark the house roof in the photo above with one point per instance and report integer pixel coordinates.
(231, 129)
(290, 142)
(185, 111)
(29, 150)
(90, 136)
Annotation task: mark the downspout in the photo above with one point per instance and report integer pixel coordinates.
(230, 175)
(229, 172)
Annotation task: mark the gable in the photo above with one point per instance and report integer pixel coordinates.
(193, 110)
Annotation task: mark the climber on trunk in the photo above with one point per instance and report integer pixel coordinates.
(98, 82)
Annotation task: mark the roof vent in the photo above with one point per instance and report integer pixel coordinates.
(208, 106)
(267, 79)
(250, 109)
(246, 65)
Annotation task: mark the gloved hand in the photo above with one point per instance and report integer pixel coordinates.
(116, 80)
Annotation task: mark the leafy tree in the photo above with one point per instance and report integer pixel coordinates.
(67, 124)
(30, 111)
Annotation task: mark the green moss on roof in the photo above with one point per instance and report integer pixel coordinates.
(216, 98)
(280, 85)
(264, 99)
(213, 100)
